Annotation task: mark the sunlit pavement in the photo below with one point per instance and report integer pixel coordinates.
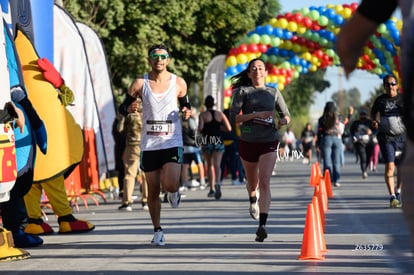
(207, 236)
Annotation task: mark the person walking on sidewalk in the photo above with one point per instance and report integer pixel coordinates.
(211, 123)
(133, 127)
(254, 106)
(387, 113)
(162, 142)
(191, 154)
(361, 134)
(330, 142)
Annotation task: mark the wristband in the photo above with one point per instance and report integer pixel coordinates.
(123, 108)
(184, 102)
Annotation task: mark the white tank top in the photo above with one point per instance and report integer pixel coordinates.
(161, 121)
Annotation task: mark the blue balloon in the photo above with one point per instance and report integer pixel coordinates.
(278, 32)
(339, 20)
(268, 29)
(283, 52)
(330, 13)
(259, 30)
(287, 35)
(273, 50)
(232, 70)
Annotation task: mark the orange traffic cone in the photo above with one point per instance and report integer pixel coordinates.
(317, 204)
(310, 244)
(322, 190)
(319, 224)
(313, 181)
(328, 184)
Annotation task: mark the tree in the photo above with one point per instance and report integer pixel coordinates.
(299, 93)
(196, 31)
(351, 97)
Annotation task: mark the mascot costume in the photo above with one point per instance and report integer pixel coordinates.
(64, 144)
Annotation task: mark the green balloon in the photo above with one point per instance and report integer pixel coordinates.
(264, 57)
(227, 83)
(330, 52)
(272, 59)
(315, 37)
(382, 28)
(254, 38)
(323, 20)
(275, 41)
(314, 15)
(265, 39)
(304, 11)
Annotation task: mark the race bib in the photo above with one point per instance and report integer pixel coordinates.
(264, 121)
(158, 127)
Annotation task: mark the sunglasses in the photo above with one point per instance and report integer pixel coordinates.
(390, 84)
(156, 56)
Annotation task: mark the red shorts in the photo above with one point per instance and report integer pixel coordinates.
(251, 151)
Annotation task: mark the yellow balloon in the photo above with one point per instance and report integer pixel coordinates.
(273, 78)
(338, 8)
(301, 30)
(231, 61)
(399, 25)
(281, 79)
(280, 86)
(296, 48)
(288, 45)
(267, 79)
(292, 26)
(307, 56)
(346, 13)
(241, 58)
(313, 68)
(273, 22)
(314, 60)
(226, 100)
(251, 56)
(283, 23)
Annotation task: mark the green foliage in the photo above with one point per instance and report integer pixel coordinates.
(299, 93)
(195, 31)
(344, 99)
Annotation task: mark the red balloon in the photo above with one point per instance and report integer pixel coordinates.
(227, 92)
(233, 51)
(315, 27)
(242, 48)
(307, 22)
(353, 7)
(274, 71)
(288, 16)
(301, 40)
(253, 48)
(262, 48)
(318, 53)
(298, 17)
(310, 44)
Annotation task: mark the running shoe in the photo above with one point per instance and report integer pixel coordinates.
(394, 202)
(261, 234)
(211, 194)
(254, 210)
(218, 191)
(158, 239)
(126, 207)
(174, 199)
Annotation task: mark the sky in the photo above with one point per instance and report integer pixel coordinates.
(364, 81)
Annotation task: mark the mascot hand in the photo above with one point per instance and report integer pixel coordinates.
(50, 72)
(66, 95)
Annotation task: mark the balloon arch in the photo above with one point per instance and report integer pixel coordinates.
(303, 41)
